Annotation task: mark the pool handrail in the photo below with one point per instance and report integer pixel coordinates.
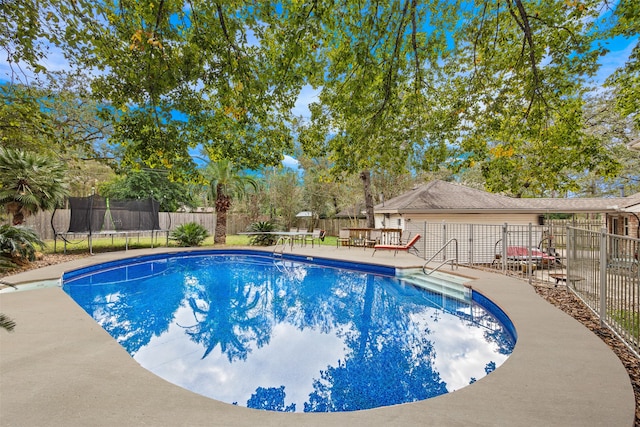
(453, 261)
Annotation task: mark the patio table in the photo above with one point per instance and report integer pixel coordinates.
(288, 234)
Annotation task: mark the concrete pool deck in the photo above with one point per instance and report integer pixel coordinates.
(59, 368)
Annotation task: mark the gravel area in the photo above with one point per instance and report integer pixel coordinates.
(49, 259)
(558, 296)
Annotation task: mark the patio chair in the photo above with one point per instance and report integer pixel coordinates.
(409, 247)
(344, 238)
(294, 236)
(372, 239)
(313, 237)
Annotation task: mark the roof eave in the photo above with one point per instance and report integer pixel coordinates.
(497, 210)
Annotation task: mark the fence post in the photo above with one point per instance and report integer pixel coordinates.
(470, 245)
(603, 276)
(444, 240)
(503, 250)
(424, 241)
(571, 255)
(529, 257)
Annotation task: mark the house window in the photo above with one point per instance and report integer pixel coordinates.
(399, 222)
(626, 225)
(614, 225)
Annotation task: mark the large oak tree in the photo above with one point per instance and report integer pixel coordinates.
(405, 85)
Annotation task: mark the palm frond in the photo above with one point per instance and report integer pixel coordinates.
(6, 322)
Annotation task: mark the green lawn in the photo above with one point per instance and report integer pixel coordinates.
(107, 244)
(628, 320)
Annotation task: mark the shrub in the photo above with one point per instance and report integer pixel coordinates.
(18, 245)
(189, 234)
(30, 182)
(262, 239)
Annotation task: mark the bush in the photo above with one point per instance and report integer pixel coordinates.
(190, 234)
(17, 246)
(262, 239)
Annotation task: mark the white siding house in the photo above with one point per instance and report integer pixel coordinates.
(439, 201)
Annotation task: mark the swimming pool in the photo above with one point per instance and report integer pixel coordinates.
(291, 335)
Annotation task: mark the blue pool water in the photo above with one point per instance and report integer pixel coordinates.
(290, 335)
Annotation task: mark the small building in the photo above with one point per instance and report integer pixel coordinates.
(625, 221)
(439, 201)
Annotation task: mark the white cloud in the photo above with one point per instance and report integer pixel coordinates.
(293, 358)
(306, 97)
(290, 162)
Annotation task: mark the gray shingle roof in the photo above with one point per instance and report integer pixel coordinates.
(438, 196)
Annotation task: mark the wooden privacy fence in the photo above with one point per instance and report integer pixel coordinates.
(41, 223)
(236, 223)
(558, 228)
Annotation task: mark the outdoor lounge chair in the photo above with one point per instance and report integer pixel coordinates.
(344, 238)
(409, 247)
(406, 238)
(522, 254)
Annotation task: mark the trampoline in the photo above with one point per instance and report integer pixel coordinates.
(95, 216)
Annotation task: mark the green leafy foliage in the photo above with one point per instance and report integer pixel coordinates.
(137, 184)
(408, 86)
(285, 195)
(56, 117)
(626, 79)
(224, 183)
(189, 234)
(404, 86)
(18, 245)
(524, 72)
(24, 125)
(223, 76)
(29, 183)
(27, 27)
(262, 239)
(6, 264)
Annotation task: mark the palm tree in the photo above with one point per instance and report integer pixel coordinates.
(18, 245)
(225, 183)
(29, 183)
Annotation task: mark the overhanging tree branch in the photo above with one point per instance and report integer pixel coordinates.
(522, 20)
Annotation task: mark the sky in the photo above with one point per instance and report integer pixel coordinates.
(619, 50)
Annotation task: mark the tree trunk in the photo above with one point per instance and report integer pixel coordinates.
(18, 219)
(365, 176)
(223, 203)
(17, 214)
(220, 236)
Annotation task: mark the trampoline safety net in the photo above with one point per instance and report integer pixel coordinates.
(96, 214)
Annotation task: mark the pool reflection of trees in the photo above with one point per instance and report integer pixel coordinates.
(125, 309)
(238, 308)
